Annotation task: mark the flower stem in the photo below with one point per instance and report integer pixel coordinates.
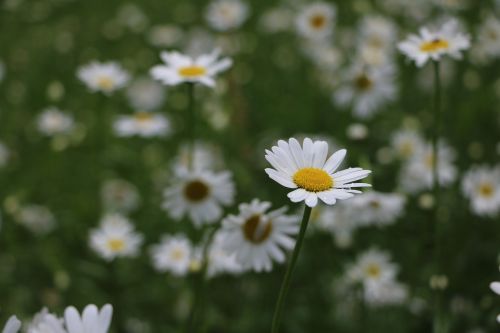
(285, 285)
(191, 123)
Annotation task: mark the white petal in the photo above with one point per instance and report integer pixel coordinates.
(73, 320)
(334, 161)
(308, 151)
(298, 195)
(312, 199)
(280, 178)
(297, 154)
(327, 197)
(320, 152)
(12, 326)
(105, 317)
(495, 286)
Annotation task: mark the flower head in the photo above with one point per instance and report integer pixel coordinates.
(104, 77)
(143, 124)
(315, 21)
(91, 321)
(482, 186)
(173, 254)
(224, 15)
(52, 121)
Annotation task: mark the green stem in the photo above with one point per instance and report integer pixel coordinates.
(285, 285)
(191, 123)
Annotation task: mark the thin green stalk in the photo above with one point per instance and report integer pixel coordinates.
(285, 285)
(191, 123)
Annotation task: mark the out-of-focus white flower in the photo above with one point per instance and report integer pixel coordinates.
(45, 322)
(202, 155)
(180, 68)
(326, 57)
(220, 260)
(12, 326)
(132, 17)
(385, 293)
(4, 154)
(165, 35)
(115, 237)
(487, 46)
(276, 20)
(38, 219)
(224, 15)
(315, 20)
(407, 143)
(339, 220)
(53, 121)
(481, 185)
(434, 44)
(142, 123)
(119, 195)
(103, 77)
(173, 254)
(357, 131)
(377, 32)
(145, 94)
(378, 208)
(91, 321)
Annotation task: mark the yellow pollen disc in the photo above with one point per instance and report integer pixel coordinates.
(313, 179)
(196, 191)
(486, 190)
(142, 116)
(192, 71)
(434, 45)
(177, 254)
(253, 230)
(116, 245)
(363, 82)
(318, 21)
(105, 83)
(373, 271)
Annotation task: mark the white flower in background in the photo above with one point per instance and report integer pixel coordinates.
(144, 94)
(202, 156)
(132, 17)
(38, 219)
(53, 121)
(307, 170)
(4, 154)
(220, 260)
(366, 89)
(103, 77)
(165, 35)
(377, 32)
(45, 322)
(434, 44)
(173, 254)
(91, 321)
(481, 185)
(340, 221)
(357, 131)
(488, 38)
(372, 267)
(180, 68)
(315, 20)
(143, 123)
(119, 195)
(12, 326)
(407, 142)
(417, 173)
(385, 293)
(115, 238)
(258, 238)
(378, 208)
(199, 194)
(276, 20)
(224, 15)
(495, 287)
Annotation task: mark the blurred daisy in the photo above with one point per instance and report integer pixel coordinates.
(173, 254)
(385, 293)
(340, 221)
(119, 195)
(38, 219)
(378, 208)
(377, 32)
(91, 321)
(372, 267)
(220, 260)
(488, 38)
(481, 185)
(407, 143)
(224, 15)
(276, 19)
(200, 194)
(315, 20)
(4, 154)
(143, 124)
(103, 77)
(115, 237)
(258, 238)
(366, 89)
(433, 44)
(12, 326)
(52, 122)
(495, 287)
(45, 322)
(202, 155)
(180, 68)
(145, 94)
(307, 170)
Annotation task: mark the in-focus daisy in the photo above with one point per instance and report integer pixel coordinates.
(435, 43)
(200, 194)
(53, 121)
(142, 123)
(12, 326)
(38, 219)
(378, 208)
(115, 238)
(224, 15)
(119, 195)
(45, 322)
(406, 143)
(145, 94)
(4, 154)
(495, 287)
(91, 321)
(173, 254)
(258, 237)
(307, 170)
(104, 77)
(481, 185)
(315, 20)
(180, 68)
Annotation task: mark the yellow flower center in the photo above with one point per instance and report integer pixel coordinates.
(313, 179)
(255, 231)
(177, 254)
(116, 245)
(318, 21)
(373, 271)
(363, 82)
(192, 71)
(142, 116)
(105, 83)
(434, 45)
(196, 191)
(486, 190)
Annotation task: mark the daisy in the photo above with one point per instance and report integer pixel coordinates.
(481, 185)
(145, 94)
(119, 195)
(488, 39)
(385, 293)
(433, 44)
(143, 124)
(276, 19)
(38, 219)
(378, 208)
(407, 143)
(91, 321)
(315, 21)
(220, 260)
(115, 237)
(45, 322)
(180, 68)
(173, 254)
(495, 287)
(258, 237)
(307, 170)
(12, 326)
(200, 194)
(377, 32)
(340, 221)
(224, 15)
(371, 268)
(103, 77)
(52, 121)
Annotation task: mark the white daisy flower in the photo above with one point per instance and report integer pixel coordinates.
(220, 260)
(119, 195)
(434, 44)
(258, 238)
(481, 185)
(4, 154)
(367, 89)
(53, 121)
(145, 94)
(372, 267)
(12, 326)
(340, 221)
(143, 124)
(307, 170)
(488, 39)
(91, 321)
(224, 15)
(407, 143)
(103, 77)
(45, 322)
(180, 68)
(173, 254)
(385, 293)
(315, 20)
(115, 238)
(377, 32)
(378, 208)
(38, 219)
(200, 194)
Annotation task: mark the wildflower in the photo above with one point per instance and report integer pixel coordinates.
(38, 219)
(91, 321)
(143, 124)
(103, 77)
(173, 254)
(44, 322)
(481, 185)
(145, 94)
(119, 195)
(52, 122)
(378, 208)
(224, 15)
(315, 21)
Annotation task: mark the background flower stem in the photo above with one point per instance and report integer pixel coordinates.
(191, 123)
